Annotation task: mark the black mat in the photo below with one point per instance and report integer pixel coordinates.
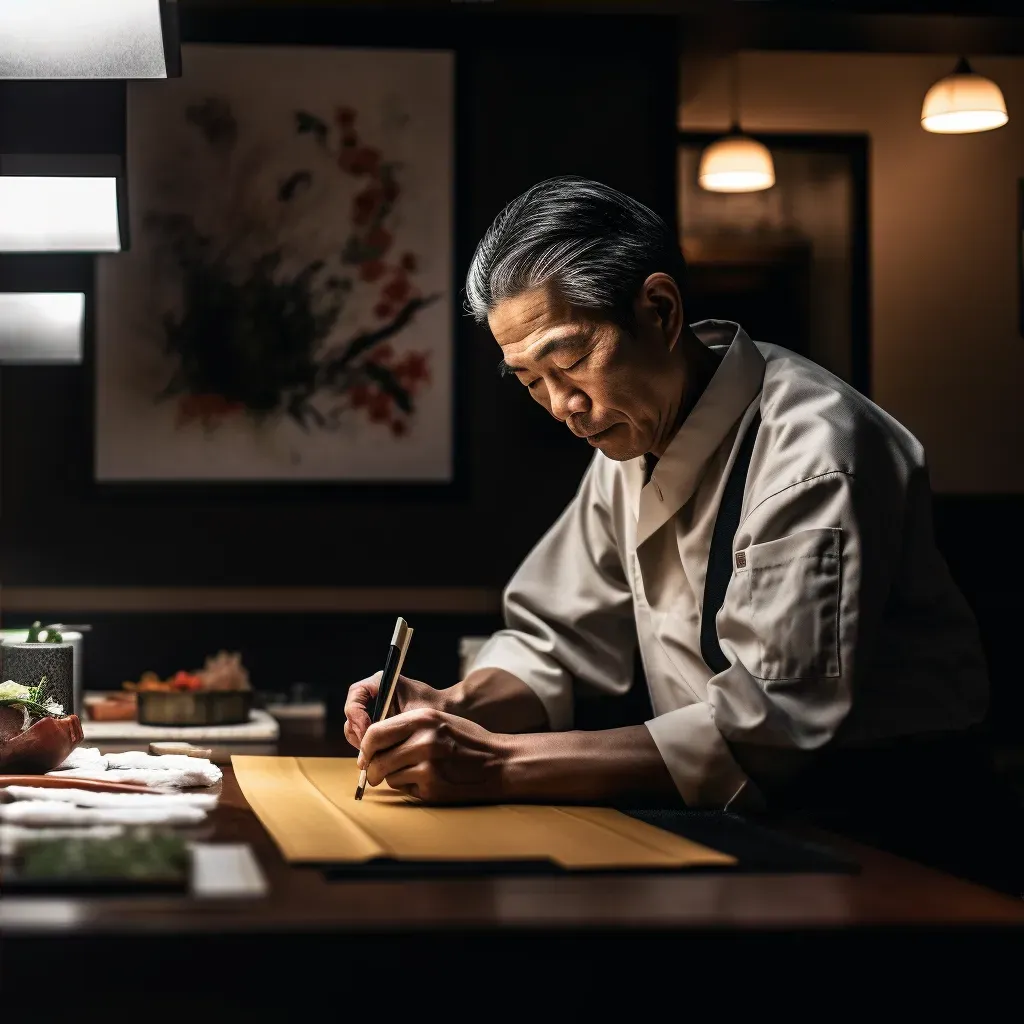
(756, 847)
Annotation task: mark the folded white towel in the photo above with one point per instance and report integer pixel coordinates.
(139, 759)
(174, 771)
(82, 757)
(57, 812)
(162, 778)
(88, 798)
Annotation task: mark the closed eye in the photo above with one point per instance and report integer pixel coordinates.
(572, 366)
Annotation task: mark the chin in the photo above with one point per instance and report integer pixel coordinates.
(618, 449)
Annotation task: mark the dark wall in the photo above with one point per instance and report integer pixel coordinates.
(593, 96)
(972, 531)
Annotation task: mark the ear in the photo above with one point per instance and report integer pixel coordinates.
(659, 307)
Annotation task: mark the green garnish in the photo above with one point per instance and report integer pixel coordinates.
(51, 635)
(31, 698)
(139, 857)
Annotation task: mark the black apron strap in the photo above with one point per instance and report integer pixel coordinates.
(720, 556)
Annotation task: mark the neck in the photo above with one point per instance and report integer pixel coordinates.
(698, 364)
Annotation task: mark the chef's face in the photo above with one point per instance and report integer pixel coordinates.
(621, 391)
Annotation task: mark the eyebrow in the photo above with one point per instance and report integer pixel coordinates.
(563, 341)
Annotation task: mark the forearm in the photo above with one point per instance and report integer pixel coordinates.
(497, 700)
(615, 765)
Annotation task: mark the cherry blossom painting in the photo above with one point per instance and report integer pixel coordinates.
(285, 310)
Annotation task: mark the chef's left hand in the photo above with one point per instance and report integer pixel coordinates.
(436, 757)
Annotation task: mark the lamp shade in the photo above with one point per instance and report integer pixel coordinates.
(63, 182)
(736, 163)
(74, 210)
(963, 102)
(41, 327)
(123, 39)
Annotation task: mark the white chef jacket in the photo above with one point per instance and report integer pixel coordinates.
(840, 623)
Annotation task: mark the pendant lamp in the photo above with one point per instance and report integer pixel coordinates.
(63, 181)
(124, 39)
(41, 328)
(736, 162)
(963, 102)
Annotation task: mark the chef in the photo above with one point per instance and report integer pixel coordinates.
(758, 527)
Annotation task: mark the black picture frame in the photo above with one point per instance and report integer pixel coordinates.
(253, 26)
(856, 149)
(1020, 255)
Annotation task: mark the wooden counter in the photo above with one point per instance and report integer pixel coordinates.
(307, 923)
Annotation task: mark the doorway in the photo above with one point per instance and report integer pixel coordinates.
(789, 263)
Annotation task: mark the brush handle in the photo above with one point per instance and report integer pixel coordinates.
(388, 684)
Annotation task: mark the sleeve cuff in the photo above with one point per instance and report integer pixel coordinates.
(510, 651)
(699, 760)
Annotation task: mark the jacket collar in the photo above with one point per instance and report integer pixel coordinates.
(735, 384)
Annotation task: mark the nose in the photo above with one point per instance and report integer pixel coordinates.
(566, 400)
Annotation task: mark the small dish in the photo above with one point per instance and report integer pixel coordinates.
(194, 707)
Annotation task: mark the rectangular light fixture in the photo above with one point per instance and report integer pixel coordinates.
(125, 39)
(41, 327)
(58, 214)
(63, 186)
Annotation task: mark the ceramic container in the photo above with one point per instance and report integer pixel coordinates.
(27, 664)
(14, 636)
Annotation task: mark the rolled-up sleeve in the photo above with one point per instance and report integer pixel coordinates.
(568, 609)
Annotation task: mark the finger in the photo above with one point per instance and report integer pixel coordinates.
(360, 699)
(392, 731)
(411, 781)
(363, 693)
(416, 749)
(355, 729)
(352, 737)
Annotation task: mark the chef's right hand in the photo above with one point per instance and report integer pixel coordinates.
(409, 694)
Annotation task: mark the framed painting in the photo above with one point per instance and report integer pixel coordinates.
(285, 312)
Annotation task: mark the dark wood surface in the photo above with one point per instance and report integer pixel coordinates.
(310, 925)
(887, 891)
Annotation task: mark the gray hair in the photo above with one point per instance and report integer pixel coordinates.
(594, 244)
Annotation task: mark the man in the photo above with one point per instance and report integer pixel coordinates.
(839, 640)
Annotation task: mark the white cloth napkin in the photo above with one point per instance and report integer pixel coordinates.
(88, 798)
(172, 771)
(38, 807)
(59, 812)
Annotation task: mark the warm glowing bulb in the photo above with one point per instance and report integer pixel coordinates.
(58, 214)
(736, 164)
(963, 102)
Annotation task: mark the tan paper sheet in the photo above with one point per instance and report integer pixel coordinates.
(307, 806)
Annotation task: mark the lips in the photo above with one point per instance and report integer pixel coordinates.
(588, 433)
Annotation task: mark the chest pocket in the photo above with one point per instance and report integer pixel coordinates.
(794, 590)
